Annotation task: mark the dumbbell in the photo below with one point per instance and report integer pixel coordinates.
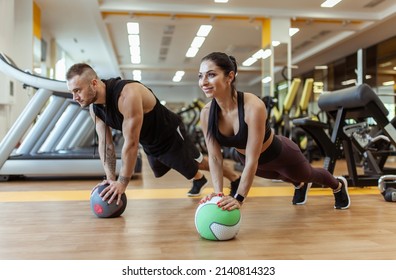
(388, 193)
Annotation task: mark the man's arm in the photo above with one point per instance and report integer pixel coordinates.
(130, 105)
(106, 147)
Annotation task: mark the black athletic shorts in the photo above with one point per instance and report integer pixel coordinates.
(183, 156)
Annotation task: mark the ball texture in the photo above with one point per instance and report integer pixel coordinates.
(213, 223)
(103, 209)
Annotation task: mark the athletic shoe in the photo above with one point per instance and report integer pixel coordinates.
(300, 194)
(198, 186)
(341, 196)
(234, 187)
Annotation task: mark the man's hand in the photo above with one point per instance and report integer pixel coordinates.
(113, 191)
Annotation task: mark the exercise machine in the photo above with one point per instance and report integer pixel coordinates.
(349, 110)
(53, 136)
(191, 117)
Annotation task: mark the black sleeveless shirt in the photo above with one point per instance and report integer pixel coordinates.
(238, 140)
(159, 125)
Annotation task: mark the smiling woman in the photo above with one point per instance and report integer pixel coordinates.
(240, 120)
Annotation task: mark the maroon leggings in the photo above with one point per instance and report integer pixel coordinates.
(290, 165)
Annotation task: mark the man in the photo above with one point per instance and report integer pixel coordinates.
(132, 108)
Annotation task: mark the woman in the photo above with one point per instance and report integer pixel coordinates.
(239, 119)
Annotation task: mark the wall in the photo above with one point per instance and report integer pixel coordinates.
(16, 40)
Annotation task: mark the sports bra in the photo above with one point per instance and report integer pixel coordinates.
(239, 140)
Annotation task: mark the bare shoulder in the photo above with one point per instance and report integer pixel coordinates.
(137, 90)
(136, 94)
(206, 108)
(254, 108)
(253, 101)
(134, 88)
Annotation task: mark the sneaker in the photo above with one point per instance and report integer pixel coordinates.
(300, 194)
(234, 187)
(341, 196)
(198, 186)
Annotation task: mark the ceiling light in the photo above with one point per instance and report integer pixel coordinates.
(385, 64)
(249, 61)
(179, 73)
(293, 30)
(388, 83)
(134, 40)
(197, 42)
(191, 52)
(263, 54)
(178, 76)
(134, 50)
(221, 1)
(137, 75)
(133, 28)
(266, 53)
(348, 82)
(330, 3)
(204, 30)
(266, 80)
(259, 54)
(135, 59)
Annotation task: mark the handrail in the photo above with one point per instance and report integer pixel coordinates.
(8, 67)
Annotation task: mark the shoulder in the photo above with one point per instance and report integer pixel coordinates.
(134, 86)
(253, 105)
(205, 110)
(135, 90)
(253, 100)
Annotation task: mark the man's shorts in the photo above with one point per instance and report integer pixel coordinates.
(183, 156)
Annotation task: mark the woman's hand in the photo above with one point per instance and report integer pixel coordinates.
(226, 202)
(210, 196)
(229, 203)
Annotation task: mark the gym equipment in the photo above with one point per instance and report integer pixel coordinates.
(280, 118)
(213, 223)
(191, 118)
(102, 209)
(348, 108)
(53, 136)
(389, 193)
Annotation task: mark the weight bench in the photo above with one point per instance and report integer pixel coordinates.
(355, 103)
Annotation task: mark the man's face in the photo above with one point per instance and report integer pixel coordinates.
(83, 90)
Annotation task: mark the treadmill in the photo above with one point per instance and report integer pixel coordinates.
(53, 136)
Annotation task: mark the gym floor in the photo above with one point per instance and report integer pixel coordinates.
(52, 219)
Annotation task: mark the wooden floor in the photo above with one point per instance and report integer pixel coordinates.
(51, 219)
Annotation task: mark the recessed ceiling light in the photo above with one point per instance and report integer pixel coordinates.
(133, 28)
(330, 3)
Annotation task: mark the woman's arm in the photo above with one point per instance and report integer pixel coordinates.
(255, 118)
(215, 157)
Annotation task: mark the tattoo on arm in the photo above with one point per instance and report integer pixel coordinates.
(124, 180)
(110, 162)
(111, 159)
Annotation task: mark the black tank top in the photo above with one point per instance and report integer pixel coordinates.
(238, 140)
(159, 125)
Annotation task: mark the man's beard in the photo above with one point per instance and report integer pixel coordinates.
(93, 97)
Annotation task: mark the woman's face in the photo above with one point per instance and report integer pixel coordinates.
(212, 81)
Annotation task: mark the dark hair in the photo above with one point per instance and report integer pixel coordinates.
(80, 69)
(225, 62)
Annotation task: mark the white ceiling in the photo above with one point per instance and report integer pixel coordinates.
(95, 31)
